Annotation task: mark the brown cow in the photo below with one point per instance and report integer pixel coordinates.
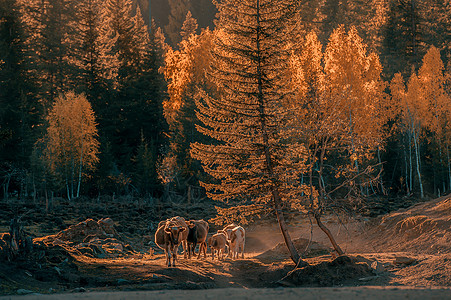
(168, 237)
(197, 234)
(218, 243)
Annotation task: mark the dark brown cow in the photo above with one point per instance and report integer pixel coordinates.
(197, 234)
(168, 237)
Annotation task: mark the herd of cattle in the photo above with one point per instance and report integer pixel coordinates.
(175, 231)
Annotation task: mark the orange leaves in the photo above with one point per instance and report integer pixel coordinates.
(71, 134)
(432, 83)
(424, 103)
(185, 67)
(340, 93)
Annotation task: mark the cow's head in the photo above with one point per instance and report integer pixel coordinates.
(174, 233)
(190, 224)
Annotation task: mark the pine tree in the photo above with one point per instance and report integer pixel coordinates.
(403, 36)
(189, 26)
(17, 108)
(125, 109)
(253, 159)
(94, 58)
(49, 29)
(178, 11)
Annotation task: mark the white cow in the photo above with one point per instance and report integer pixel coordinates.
(236, 237)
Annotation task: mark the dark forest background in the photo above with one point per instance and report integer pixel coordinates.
(109, 51)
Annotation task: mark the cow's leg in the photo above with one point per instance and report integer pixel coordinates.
(185, 248)
(174, 255)
(201, 247)
(168, 256)
(242, 249)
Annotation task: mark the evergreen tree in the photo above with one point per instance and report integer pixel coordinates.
(131, 39)
(93, 52)
(403, 36)
(179, 9)
(253, 159)
(17, 110)
(185, 72)
(50, 26)
(189, 27)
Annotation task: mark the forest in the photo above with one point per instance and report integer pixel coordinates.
(97, 101)
(282, 119)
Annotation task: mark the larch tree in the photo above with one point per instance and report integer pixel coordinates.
(254, 159)
(71, 145)
(189, 26)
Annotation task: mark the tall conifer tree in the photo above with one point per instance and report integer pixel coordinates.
(16, 101)
(253, 159)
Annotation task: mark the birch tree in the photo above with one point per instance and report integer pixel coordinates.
(412, 108)
(71, 141)
(340, 110)
(437, 112)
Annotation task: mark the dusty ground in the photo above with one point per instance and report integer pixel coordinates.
(410, 247)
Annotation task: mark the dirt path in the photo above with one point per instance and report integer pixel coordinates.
(368, 293)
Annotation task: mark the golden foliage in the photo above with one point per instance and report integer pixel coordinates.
(71, 141)
(185, 67)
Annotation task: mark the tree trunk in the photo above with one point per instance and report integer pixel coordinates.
(382, 170)
(322, 189)
(79, 170)
(410, 163)
(269, 160)
(407, 173)
(417, 155)
(328, 233)
(295, 257)
(449, 167)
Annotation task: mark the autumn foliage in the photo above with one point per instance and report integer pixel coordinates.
(71, 145)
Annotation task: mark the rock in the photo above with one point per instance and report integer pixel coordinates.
(377, 267)
(369, 278)
(24, 292)
(403, 260)
(122, 281)
(79, 290)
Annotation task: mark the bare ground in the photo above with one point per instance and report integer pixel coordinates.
(407, 248)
